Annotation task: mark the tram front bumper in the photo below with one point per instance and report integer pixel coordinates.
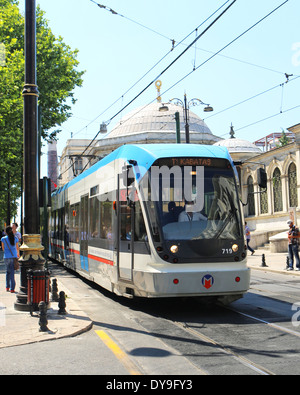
(191, 283)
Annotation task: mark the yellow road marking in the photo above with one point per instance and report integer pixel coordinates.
(121, 355)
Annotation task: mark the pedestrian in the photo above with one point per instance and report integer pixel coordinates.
(15, 231)
(293, 237)
(248, 237)
(10, 246)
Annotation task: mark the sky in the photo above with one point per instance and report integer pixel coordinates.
(117, 50)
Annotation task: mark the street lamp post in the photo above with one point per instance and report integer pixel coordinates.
(31, 248)
(186, 107)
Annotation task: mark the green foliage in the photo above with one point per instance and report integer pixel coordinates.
(57, 77)
(284, 140)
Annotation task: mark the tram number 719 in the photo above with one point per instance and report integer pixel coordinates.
(227, 251)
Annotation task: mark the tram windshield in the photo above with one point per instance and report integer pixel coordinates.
(193, 202)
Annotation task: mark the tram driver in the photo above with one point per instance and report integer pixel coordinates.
(189, 213)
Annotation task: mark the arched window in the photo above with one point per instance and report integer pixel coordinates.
(277, 190)
(250, 189)
(292, 180)
(264, 207)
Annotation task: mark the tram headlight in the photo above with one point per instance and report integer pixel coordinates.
(235, 248)
(174, 249)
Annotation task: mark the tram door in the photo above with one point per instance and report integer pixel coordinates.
(84, 232)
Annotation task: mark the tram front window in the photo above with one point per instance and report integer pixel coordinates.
(209, 210)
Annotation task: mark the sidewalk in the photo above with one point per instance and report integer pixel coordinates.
(18, 328)
(276, 262)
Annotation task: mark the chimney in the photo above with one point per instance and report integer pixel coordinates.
(52, 164)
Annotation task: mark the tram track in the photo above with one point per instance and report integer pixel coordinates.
(245, 361)
(233, 350)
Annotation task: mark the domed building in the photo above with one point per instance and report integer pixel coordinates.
(240, 149)
(155, 123)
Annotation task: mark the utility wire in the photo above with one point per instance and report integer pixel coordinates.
(174, 61)
(156, 64)
(131, 20)
(226, 46)
(146, 74)
(207, 60)
(265, 119)
(249, 98)
(167, 68)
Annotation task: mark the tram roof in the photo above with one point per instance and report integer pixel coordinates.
(147, 154)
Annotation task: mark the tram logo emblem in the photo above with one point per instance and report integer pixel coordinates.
(208, 281)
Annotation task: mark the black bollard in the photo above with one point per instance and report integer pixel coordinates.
(263, 263)
(43, 321)
(54, 290)
(287, 263)
(62, 303)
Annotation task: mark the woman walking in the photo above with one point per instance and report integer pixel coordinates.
(10, 246)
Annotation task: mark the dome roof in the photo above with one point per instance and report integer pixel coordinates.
(238, 145)
(150, 118)
(239, 148)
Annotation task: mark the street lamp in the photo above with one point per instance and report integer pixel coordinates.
(31, 247)
(186, 107)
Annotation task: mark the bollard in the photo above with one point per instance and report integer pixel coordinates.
(54, 290)
(263, 263)
(43, 321)
(287, 263)
(62, 303)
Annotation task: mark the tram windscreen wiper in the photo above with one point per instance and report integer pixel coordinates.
(224, 211)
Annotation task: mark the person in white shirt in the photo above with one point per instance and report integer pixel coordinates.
(189, 215)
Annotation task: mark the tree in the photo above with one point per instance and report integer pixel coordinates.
(57, 77)
(284, 140)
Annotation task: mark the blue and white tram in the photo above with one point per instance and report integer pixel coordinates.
(155, 220)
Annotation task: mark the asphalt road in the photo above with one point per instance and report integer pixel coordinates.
(257, 335)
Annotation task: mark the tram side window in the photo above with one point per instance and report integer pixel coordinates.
(125, 221)
(52, 225)
(67, 224)
(56, 225)
(74, 223)
(94, 217)
(106, 218)
(140, 233)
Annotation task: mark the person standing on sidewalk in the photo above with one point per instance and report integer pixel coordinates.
(293, 237)
(248, 237)
(10, 246)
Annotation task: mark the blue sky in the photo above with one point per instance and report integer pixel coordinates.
(116, 53)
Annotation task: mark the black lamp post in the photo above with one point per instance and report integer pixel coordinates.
(186, 107)
(31, 258)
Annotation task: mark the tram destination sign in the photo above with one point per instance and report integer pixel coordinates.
(193, 161)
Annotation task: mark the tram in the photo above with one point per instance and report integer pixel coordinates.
(155, 220)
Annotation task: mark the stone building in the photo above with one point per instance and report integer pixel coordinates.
(268, 211)
(154, 123)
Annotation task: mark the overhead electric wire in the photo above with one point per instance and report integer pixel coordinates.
(265, 119)
(226, 46)
(156, 64)
(174, 61)
(131, 20)
(249, 98)
(188, 74)
(170, 65)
